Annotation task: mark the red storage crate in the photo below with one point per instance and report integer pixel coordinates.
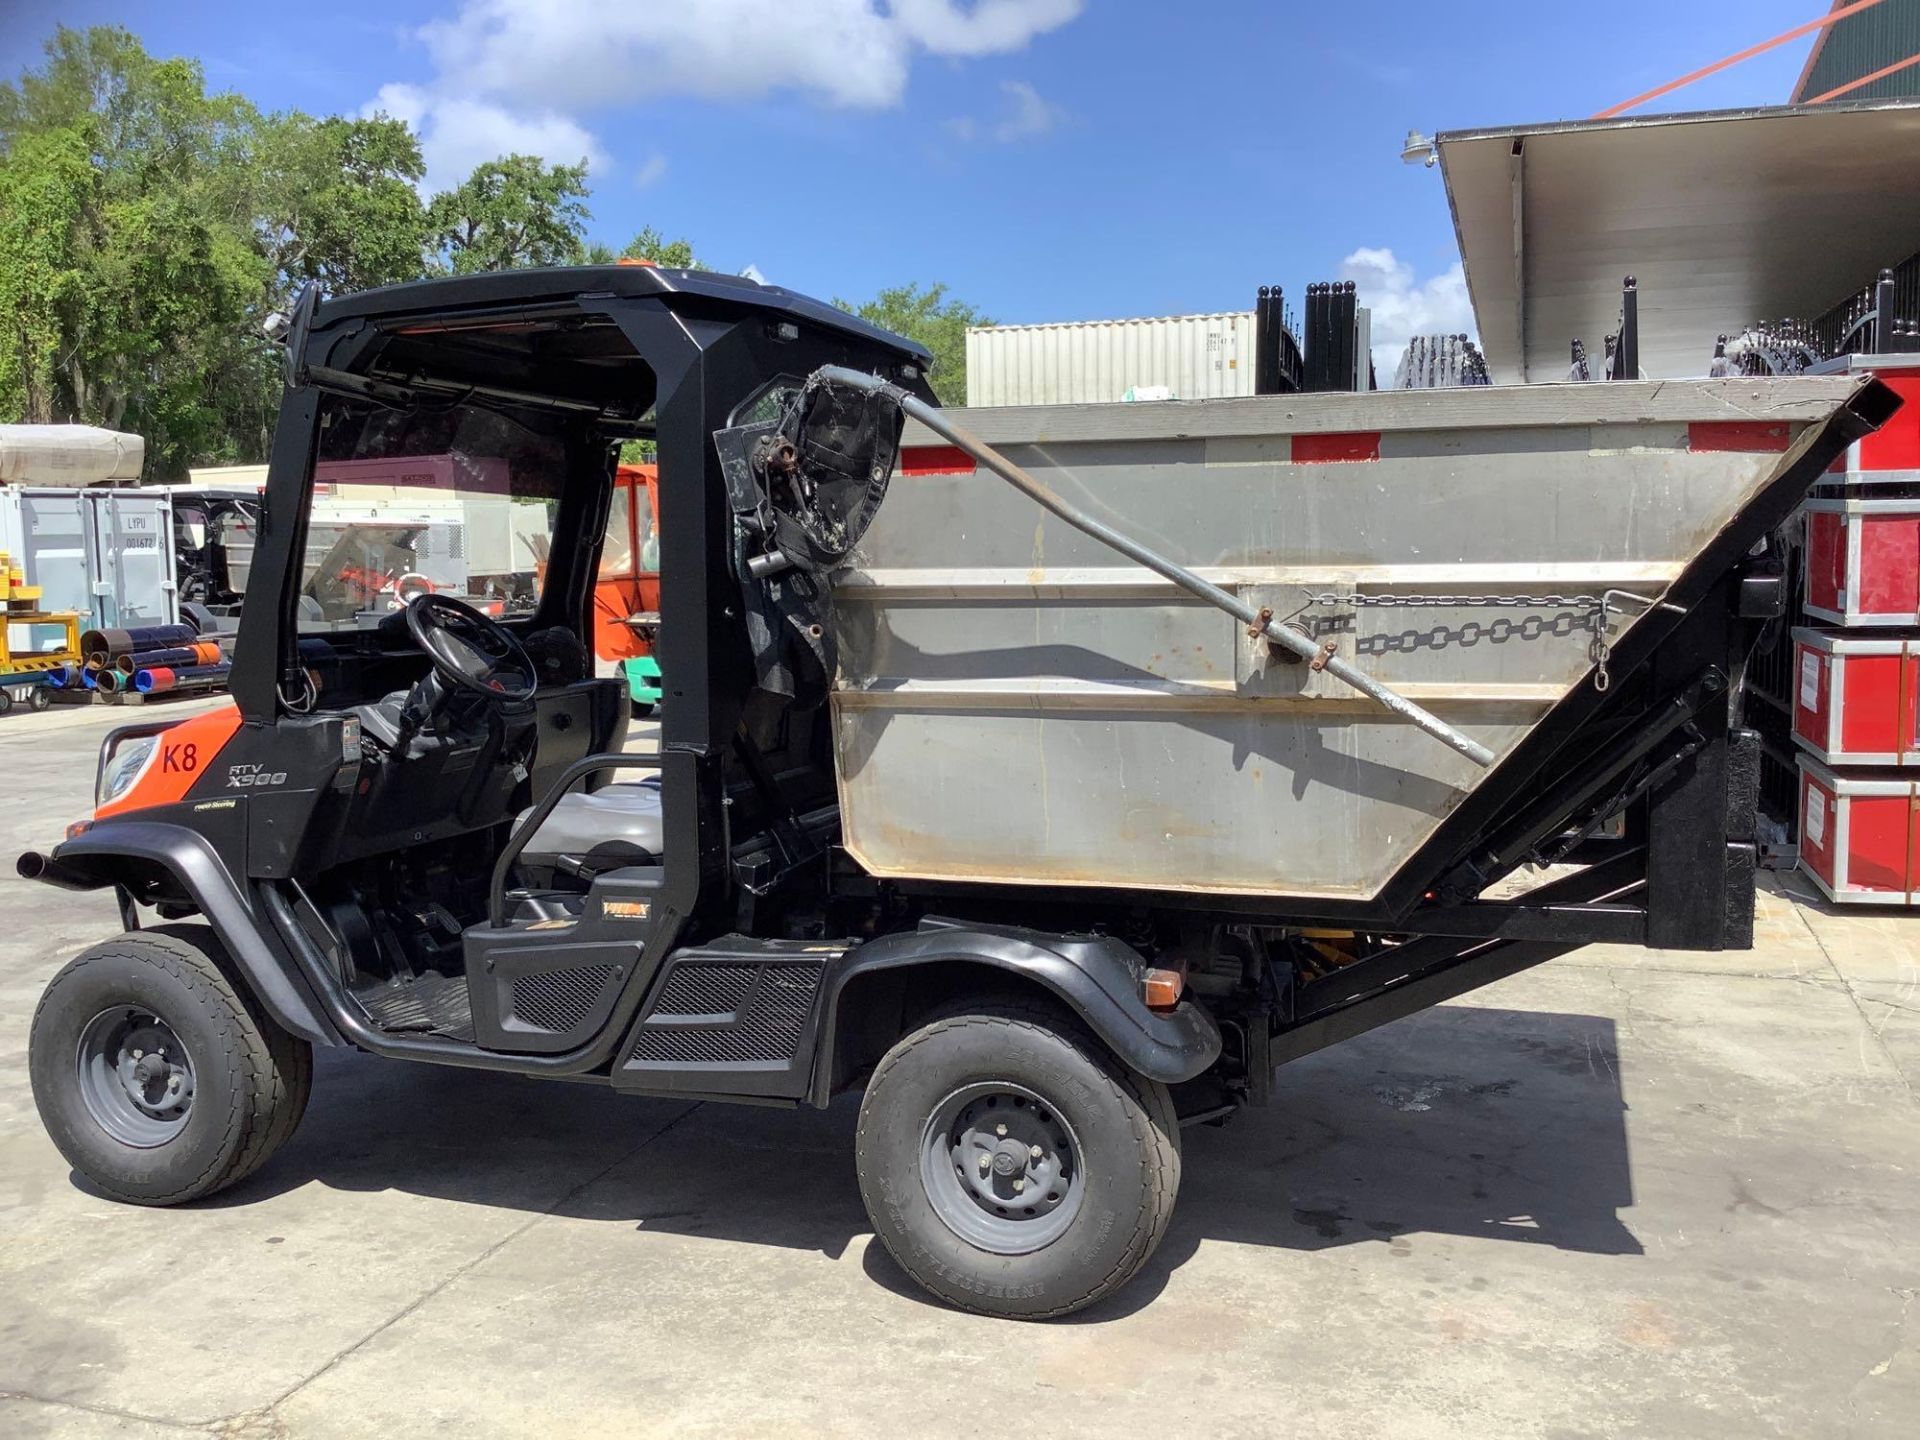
(1863, 561)
(1891, 455)
(1858, 834)
(1856, 698)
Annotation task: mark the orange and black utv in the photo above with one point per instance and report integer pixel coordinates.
(418, 829)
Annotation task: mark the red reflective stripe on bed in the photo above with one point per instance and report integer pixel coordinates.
(1711, 435)
(1329, 449)
(935, 460)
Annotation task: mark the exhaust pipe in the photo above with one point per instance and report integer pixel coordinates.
(32, 865)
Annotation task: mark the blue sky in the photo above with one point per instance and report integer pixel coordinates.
(1047, 159)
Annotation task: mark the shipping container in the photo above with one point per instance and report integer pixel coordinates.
(1193, 357)
(105, 554)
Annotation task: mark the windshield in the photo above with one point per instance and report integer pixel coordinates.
(631, 548)
(616, 553)
(643, 532)
(457, 500)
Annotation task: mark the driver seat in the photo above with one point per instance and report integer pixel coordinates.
(587, 832)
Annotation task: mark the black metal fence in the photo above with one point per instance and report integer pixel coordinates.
(1880, 319)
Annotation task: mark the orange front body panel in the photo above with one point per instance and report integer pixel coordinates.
(181, 757)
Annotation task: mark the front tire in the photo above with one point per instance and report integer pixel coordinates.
(1012, 1167)
(154, 1076)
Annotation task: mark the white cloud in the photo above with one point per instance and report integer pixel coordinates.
(1403, 307)
(512, 75)
(1028, 115)
(652, 170)
(1024, 115)
(986, 27)
(840, 52)
(458, 133)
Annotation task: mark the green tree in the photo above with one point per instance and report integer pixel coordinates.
(511, 212)
(44, 181)
(339, 204)
(148, 226)
(936, 322)
(136, 185)
(650, 244)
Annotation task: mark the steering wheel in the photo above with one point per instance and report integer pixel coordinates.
(470, 651)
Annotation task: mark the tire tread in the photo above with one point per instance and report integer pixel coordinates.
(269, 1072)
(1151, 1114)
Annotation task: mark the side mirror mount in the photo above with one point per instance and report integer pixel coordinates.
(291, 330)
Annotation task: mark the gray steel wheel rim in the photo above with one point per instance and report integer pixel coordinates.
(135, 1076)
(968, 1168)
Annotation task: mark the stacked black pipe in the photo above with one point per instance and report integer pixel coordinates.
(1626, 342)
(1332, 310)
(1622, 358)
(1276, 357)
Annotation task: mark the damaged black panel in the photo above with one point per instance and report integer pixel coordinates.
(803, 490)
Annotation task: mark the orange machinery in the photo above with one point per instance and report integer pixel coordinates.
(626, 598)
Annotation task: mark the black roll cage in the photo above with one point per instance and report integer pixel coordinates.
(709, 343)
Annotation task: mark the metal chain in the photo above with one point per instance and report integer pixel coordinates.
(1597, 607)
(1514, 602)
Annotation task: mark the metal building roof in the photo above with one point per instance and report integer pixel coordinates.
(1725, 217)
(1863, 44)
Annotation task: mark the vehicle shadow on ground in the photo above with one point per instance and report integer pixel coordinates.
(1461, 1121)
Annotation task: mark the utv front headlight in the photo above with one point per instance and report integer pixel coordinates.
(122, 762)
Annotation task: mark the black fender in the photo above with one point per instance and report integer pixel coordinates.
(1096, 976)
(95, 858)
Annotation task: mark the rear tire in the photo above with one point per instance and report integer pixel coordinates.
(1012, 1167)
(155, 1077)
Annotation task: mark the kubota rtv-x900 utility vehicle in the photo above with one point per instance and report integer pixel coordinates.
(972, 890)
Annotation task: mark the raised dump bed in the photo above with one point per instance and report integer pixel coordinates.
(1017, 703)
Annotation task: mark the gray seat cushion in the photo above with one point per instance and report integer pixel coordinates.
(624, 818)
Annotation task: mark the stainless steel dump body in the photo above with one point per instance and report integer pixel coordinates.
(1017, 704)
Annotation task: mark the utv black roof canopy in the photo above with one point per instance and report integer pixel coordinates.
(556, 339)
(561, 284)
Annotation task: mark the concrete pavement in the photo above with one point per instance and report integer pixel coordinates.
(1627, 1193)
